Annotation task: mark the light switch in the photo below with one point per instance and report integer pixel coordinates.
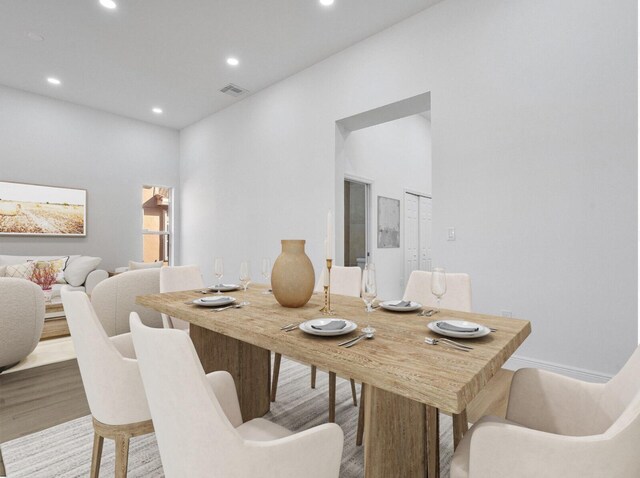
(451, 234)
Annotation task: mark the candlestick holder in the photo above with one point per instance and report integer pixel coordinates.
(327, 290)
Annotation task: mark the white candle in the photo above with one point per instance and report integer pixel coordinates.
(330, 238)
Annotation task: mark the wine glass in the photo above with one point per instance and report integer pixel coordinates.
(266, 272)
(369, 292)
(438, 284)
(218, 268)
(245, 279)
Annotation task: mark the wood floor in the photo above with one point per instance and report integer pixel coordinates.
(47, 390)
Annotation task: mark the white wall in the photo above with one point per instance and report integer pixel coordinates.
(45, 141)
(396, 156)
(534, 161)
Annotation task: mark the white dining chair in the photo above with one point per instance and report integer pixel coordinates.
(457, 297)
(344, 281)
(178, 278)
(199, 426)
(558, 427)
(111, 380)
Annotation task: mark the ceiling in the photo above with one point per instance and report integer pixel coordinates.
(172, 54)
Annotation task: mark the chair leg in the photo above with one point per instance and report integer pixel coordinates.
(360, 431)
(353, 392)
(332, 397)
(276, 375)
(122, 455)
(313, 376)
(96, 456)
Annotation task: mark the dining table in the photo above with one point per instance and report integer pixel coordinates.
(406, 381)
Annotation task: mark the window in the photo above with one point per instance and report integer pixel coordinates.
(156, 224)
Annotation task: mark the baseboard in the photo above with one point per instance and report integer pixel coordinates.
(516, 362)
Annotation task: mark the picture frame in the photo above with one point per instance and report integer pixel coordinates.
(388, 223)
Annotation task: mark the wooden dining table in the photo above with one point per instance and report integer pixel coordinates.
(406, 381)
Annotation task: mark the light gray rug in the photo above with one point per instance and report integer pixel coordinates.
(64, 451)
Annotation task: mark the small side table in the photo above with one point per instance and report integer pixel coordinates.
(55, 321)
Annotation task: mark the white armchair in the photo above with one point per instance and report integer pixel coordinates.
(198, 423)
(177, 278)
(558, 427)
(458, 296)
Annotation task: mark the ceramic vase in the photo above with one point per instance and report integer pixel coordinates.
(292, 277)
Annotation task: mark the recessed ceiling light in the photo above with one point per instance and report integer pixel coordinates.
(110, 4)
(157, 110)
(34, 36)
(326, 3)
(233, 61)
(54, 81)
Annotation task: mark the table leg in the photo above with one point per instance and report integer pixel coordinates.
(433, 442)
(248, 365)
(396, 436)
(460, 427)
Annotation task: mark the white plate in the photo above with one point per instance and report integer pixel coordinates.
(214, 300)
(460, 335)
(224, 287)
(391, 305)
(306, 326)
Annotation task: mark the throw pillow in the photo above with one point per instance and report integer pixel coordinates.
(19, 271)
(144, 265)
(77, 271)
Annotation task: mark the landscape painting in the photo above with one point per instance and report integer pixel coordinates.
(388, 222)
(30, 209)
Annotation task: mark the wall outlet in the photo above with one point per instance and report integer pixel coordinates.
(506, 313)
(451, 234)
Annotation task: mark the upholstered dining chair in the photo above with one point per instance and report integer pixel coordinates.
(344, 281)
(558, 427)
(457, 297)
(177, 278)
(114, 298)
(21, 319)
(111, 380)
(199, 426)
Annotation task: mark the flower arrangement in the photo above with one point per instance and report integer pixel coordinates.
(44, 274)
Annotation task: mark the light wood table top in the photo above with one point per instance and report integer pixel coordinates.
(396, 360)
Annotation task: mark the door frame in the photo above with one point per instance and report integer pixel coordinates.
(369, 191)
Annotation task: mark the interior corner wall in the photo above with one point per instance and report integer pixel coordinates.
(56, 143)
(534, 131)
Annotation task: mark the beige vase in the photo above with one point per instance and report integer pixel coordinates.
(292, 277)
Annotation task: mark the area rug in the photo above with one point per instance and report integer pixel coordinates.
(64, 451)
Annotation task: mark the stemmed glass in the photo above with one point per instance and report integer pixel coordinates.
(218, 269)
(438, 284)
(266, 272)
(245, 279)
(369, 292)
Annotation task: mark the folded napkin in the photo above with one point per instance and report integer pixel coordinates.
(402, 303)
(455, 328)
(213, 299)
(333, 325)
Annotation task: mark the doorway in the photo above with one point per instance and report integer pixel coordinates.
(418, 230)
(356, 222)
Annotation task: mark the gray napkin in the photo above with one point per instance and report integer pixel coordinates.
(333, 325)
(213, 299)
(403, 303)
(455, 328)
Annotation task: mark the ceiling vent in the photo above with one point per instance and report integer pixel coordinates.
(233, 90)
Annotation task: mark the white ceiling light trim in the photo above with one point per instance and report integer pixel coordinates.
(232, 61)
(54, 81)
(110, 4)
(326, 3)
(157, 110)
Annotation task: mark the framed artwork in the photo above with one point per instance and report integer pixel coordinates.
(388, 222)
(35, 210)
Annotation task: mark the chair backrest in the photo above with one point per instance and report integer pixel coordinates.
(457, 297)
(114, 299)
(21, 319)
(194, 435)
(177, 278)
(622, 393)
(111, 382)
(344, 281)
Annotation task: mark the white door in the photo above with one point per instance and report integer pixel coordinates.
(425, 233)
(412, 234)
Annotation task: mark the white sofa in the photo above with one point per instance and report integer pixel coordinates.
(81, 272)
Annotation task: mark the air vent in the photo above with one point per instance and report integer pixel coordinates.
(233, 90)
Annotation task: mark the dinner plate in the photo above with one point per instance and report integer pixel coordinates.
(481, 332)
(223, 287)
(393, 305)
(214, 300)
(306, 326)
